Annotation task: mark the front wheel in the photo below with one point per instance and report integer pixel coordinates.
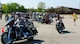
(5, 40)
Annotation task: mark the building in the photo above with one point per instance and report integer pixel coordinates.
(67, 10)
(76, 10)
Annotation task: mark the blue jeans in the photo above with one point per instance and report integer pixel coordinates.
(21, 30)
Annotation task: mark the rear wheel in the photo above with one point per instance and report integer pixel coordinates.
(5, 40)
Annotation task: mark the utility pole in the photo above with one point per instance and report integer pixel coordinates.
(10, 6)
(0, 10)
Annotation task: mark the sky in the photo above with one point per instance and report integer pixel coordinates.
(48, 3)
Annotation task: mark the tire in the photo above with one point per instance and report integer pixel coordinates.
(4, 38)
(57, 29)
(30, 39)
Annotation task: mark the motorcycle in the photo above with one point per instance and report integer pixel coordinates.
(12, 33)
(46, 20)
(6, 17)
(60, 26)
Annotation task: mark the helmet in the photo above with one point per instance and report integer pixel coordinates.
(18, 13)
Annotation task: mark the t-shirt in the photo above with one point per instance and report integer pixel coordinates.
(20, 22)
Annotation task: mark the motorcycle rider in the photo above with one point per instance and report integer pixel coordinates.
(6, 17)
(61, 24)
(20, 23)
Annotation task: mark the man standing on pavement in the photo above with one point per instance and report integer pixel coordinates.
(74, 18)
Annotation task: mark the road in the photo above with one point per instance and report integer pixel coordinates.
(49, 35)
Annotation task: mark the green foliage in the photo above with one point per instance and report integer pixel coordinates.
(51, 10)
(5, 8)
(39, 10)
(21, 8)
(32, 10)
(13, 7)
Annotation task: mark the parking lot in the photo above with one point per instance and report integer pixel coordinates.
(49, 35)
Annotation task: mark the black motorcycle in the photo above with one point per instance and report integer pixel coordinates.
(13, 33)
(46, 20)
(60, 26)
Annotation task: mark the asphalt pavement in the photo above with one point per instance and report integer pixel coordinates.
(47, 34)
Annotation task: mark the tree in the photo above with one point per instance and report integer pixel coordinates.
(21, 9)
(14, 7)
(32, 10)
(5, 8)
(27, 10)
(51, 10)
(41, 6)
(39, 10)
